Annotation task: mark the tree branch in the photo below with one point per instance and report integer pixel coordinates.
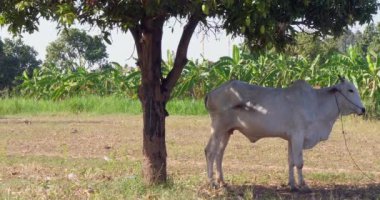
(181, 54)
(136, 34)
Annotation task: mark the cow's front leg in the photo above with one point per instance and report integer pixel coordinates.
(303, 186)
(291, 182)
(297, 156)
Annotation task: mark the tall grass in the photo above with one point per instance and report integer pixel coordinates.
(50, 82)
(271, 69)
(92, 105)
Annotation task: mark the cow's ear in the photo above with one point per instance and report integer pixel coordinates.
(341, 78)
(333, 90)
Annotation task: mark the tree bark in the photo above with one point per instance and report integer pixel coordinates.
(154, 147)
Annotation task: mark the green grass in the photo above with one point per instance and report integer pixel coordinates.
(97, 105)
(93, 105)
(186, 107)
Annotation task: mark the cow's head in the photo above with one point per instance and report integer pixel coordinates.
(348, 98)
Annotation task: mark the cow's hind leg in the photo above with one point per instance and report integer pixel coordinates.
(214, 149)
(219, 157)
(210, 158)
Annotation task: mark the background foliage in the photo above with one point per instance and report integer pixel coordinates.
(317, 60)
(199, 77)
(15, 58)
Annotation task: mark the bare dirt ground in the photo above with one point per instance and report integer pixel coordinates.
(36, 151)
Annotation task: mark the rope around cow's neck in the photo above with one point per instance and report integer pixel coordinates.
(340, 92)
(345, 140)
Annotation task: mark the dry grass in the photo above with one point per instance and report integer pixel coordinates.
(98, 157)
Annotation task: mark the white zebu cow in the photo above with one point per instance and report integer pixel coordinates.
(299, 114)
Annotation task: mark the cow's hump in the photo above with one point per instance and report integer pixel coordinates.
(301, 84)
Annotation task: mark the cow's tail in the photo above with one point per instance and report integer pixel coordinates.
(209, 103)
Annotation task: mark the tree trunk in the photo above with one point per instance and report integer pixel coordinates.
(154, 91)
(154, 148)
(153, 99)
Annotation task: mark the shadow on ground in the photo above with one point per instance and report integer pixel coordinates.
(369, 191)
(26, 121)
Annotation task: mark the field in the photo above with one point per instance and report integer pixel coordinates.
(84, 156)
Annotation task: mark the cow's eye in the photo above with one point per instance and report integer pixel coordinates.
(350, 90)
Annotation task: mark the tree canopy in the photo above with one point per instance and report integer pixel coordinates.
(369, 40)
(15, 58)
(311, 46)
(76, 48)
(263, 22)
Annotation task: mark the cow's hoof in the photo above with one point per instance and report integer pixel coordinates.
(217, 185)
(222, 184)
(305, 189)
(214, 186)
(294, 189)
